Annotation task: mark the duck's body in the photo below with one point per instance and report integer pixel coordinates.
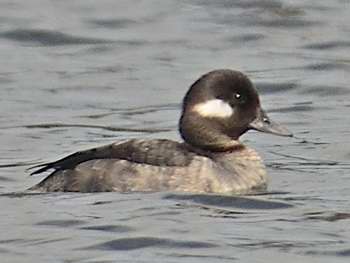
(157, 165)
(217, 109)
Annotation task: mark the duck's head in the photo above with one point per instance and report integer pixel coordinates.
(219, 107)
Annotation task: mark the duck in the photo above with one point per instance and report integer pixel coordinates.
(217, 110)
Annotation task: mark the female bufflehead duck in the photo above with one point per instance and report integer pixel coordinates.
(217, 109)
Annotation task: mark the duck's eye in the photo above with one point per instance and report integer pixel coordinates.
(239, 98)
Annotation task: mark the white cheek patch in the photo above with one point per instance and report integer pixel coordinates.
(214, 109)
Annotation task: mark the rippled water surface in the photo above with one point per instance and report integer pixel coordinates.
(77, 74)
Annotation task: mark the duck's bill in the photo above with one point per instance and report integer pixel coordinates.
(263, 123)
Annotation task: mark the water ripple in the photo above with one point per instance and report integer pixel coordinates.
(244, 38)
(284, 23)
(328, 45)
(327, 216)
(108, 128)
(49, 38)
(339, 253)
(295, 108)
(144, 242)
(114, 23)
(60, 223)
(226, 4)
(267, 88)
(327, 66)
(109, 228)
(325, 90)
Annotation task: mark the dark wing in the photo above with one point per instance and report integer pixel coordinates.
(153, 152)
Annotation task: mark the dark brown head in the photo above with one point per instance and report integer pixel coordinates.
(219, 107)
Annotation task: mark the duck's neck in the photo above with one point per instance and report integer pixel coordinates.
(207, 135)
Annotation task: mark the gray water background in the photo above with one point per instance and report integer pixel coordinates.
(78, 74)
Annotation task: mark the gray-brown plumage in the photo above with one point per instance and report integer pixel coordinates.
(217, 109)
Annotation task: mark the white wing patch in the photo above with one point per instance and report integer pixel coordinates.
(214, 108)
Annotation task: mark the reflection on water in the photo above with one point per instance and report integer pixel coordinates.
(77, 74)
(228, 201)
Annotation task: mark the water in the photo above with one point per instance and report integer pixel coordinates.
(77, 74)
